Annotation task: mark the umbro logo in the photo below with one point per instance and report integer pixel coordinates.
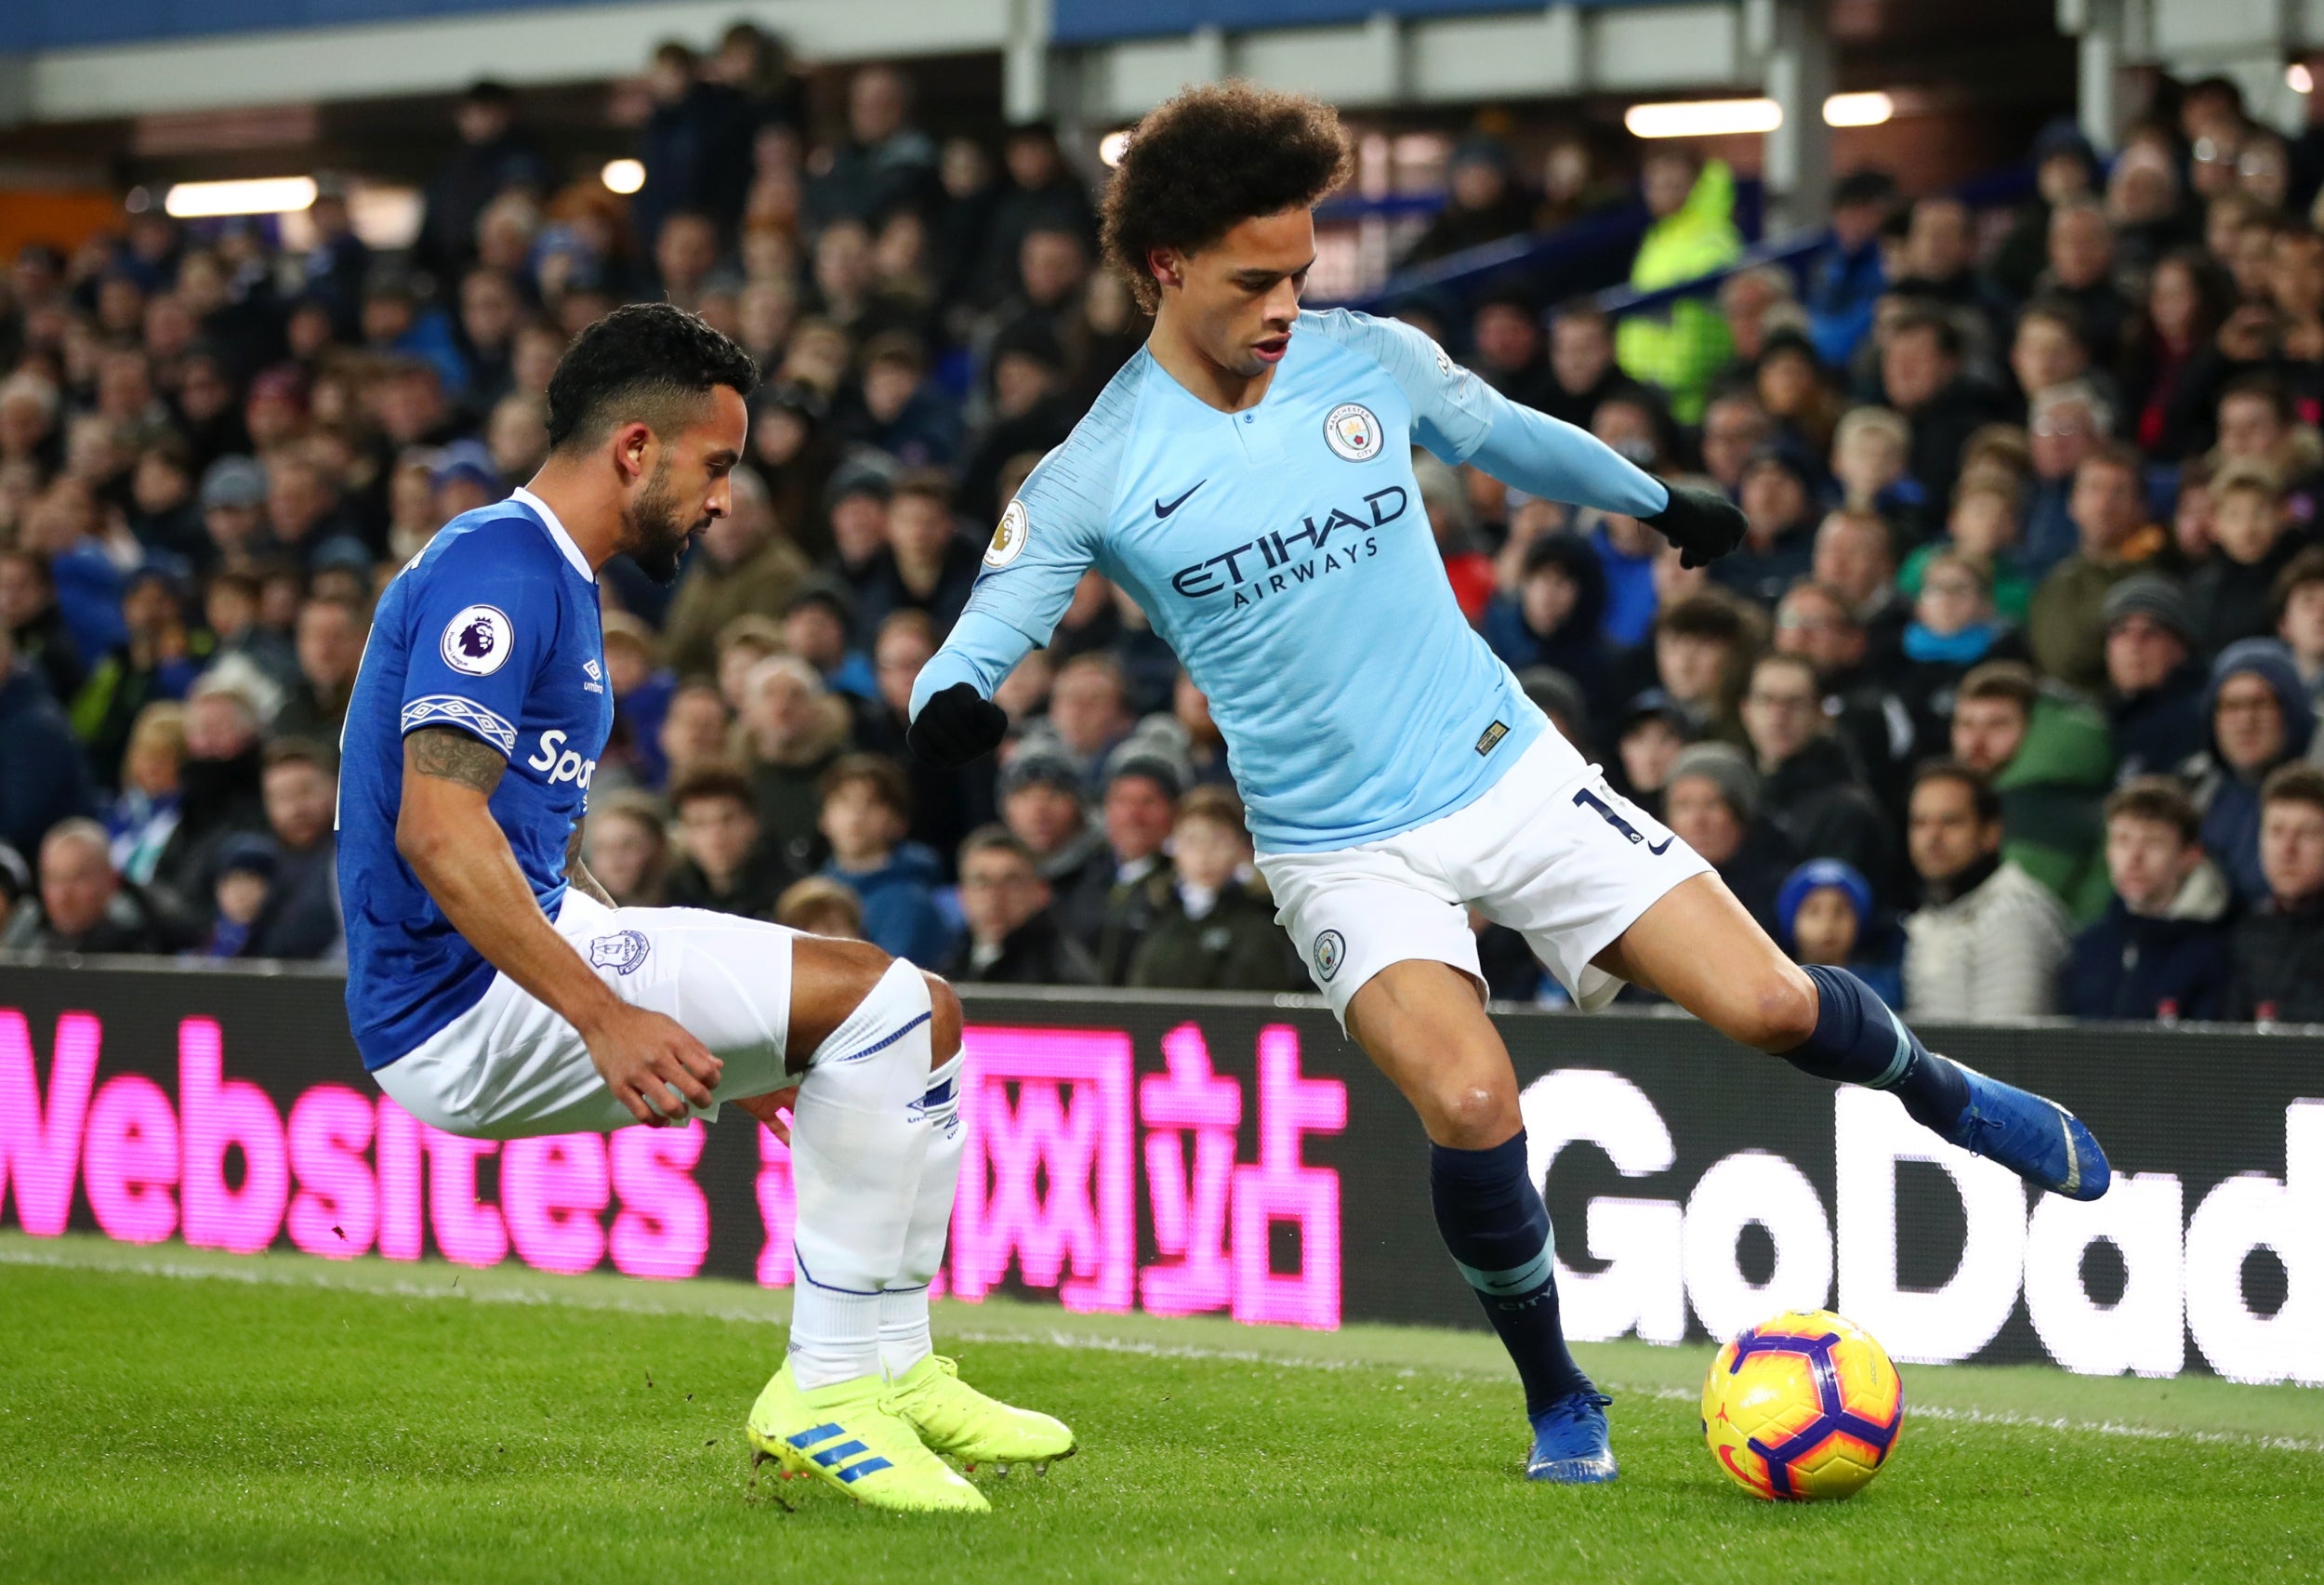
(1162, 511)
(595, 684)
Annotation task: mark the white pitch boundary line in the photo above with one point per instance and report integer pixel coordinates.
(1057, 1339)
(1097, 1342)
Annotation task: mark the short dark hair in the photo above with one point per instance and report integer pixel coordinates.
(640, 808)
(898, 347)
(712, 781)
(1217, 804)
(649, 362)
(301, 751)
(2295, 783)
(996, 838)
(1797, 663)
(2011, 679)
(2265, 385)
(883, 775)
(927, 483)
(1923, 316)
(1987, 802)
(2059, 311)
(1210, 157)
(2303, 570)
(1703, 614)
(1581, 311)
(2161, 799)
(811, 901)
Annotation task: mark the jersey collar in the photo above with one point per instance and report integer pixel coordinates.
(555, 529)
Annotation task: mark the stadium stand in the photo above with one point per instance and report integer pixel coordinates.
(2032, 468)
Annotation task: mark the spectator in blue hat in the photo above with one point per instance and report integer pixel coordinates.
(232, 501)
(1825, 912)
(464, 478)
(1647, 740)
(2154, 681)
(246, 882)
(2260, 717)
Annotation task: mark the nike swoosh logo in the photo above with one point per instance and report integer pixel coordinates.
(1160, 511)
(1665, 848)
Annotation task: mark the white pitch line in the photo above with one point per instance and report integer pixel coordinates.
(2038, 1422)
(1666, 1394)
(1059, 1338)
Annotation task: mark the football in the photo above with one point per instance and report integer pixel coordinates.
(1803, 1407)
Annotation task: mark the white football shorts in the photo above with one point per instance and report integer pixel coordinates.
(509, 1067)
(1550, 851)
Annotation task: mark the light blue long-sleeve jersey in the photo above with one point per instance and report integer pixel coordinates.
(1284, 554)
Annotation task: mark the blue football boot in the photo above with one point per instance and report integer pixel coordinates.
(2037, 1138)
(1570, 1442)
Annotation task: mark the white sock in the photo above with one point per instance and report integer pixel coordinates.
(835, 1337)
(857, 1147)
(904, 1338)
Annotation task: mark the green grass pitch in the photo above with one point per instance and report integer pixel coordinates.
(166, 1415)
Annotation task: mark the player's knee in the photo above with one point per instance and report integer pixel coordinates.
(945, 1028)
(1779, 1011)
(1474, 1116)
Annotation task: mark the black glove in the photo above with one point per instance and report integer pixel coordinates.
(956, 726)
(1704, 524)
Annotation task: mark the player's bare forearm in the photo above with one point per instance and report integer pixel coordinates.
(445, 831)
(578, 873)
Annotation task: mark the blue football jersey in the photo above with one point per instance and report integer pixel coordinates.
(1285, 556)
(491, 631)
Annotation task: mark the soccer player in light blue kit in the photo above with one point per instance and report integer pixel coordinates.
(496, 992)
(1248, 478)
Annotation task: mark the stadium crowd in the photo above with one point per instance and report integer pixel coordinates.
(2009, 702)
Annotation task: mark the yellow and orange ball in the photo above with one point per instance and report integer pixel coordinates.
(1802, 1407)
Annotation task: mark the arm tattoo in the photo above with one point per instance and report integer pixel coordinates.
(452, 756)
(578, 873)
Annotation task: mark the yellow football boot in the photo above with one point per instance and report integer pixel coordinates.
(850, 1436)
(952, 1416)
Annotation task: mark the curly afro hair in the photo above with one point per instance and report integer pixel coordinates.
(649, 362)
(1211, 157)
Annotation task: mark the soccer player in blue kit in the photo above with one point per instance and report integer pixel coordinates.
(495, 991)
(1247, 477)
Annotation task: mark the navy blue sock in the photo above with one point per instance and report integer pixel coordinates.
(1858, 1040)
(1494, 1223)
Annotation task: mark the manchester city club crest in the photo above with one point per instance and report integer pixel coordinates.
(1331, 950)
(1352, 432)
(621, 952)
